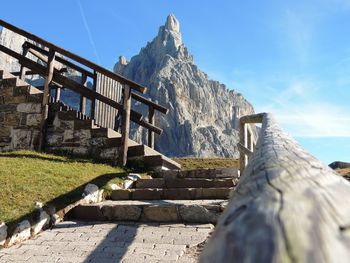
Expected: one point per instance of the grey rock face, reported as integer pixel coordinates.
(203, 114)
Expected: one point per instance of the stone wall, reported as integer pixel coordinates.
(20, 115)
(69, 134)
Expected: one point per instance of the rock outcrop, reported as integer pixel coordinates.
(203, 114)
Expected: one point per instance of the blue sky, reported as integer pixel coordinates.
(291, 58)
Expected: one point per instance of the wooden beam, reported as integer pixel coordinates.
(28, 72)
(75, 57)
(244, 150)
(60, 59)
(149, 103)
(45, 106)
(82, 107)
(58, 94)
(125, 125)
(22, 71)
(287, 207)
(242, 159)
(150, 133)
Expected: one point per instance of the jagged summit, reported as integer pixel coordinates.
(172, 23)
(203, 116)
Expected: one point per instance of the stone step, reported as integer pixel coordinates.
(160, 162)
(182, 211)
(183, 183)
(200, 173)
(141, 150)
(171, 194)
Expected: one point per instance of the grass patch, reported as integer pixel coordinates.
(27, 177)
(195, 163)
(344, 172)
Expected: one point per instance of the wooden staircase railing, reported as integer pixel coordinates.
(110, 94)
(287, 206)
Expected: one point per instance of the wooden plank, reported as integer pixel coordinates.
(46, 93)
(287, 207)
(58, 94)
(151, 120)
(48, 79)
(59, 59)
(244, 150)
(125, 125)
(242, 159)
(150, 103)
(82, 105)
(148, 126)
(93, 101)
(22, 71)
(75, 57)
(18, 73)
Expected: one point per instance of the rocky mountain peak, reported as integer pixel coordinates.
(172, 23)
(203, 114)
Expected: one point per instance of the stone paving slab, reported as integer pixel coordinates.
(81, 242)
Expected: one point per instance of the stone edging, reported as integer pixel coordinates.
(46, 218)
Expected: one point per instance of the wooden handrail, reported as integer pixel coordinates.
(65, 62)
(90, 94)
(149, 103)
(58, 59)
(75, 57)
(51, 73)
(287, 207)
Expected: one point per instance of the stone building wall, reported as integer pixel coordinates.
(20, 114)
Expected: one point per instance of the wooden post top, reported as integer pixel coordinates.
(287, 207)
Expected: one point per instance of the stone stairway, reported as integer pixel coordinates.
(197, 196)
(68, 130)
(71, 131)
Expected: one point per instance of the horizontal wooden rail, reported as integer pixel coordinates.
(287, 207)
(90, 94)
(149, 103)
(63, 61)
(75, 57)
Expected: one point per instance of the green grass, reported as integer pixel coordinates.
(195, 163)
(27, 177)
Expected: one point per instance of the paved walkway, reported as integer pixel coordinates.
(111, 242)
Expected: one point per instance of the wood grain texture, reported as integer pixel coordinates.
(287, 207)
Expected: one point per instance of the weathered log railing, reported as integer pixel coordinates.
(247, 140)
(287, 207)
(107, 90)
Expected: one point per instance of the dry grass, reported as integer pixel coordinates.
(27, 177)
(195, 163)
(344, 172)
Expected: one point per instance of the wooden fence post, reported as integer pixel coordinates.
(125, 124)
(151, 120)
(242, 155)
(45, 106)
(22, 71)
(82, 98)
(93, 102)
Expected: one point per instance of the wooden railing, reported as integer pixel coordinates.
(287, 207)
(247, 140)
(110, 94)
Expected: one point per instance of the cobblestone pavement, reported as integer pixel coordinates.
(110, 242)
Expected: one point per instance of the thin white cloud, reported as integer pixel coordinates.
(86, 25)
(302, 114)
